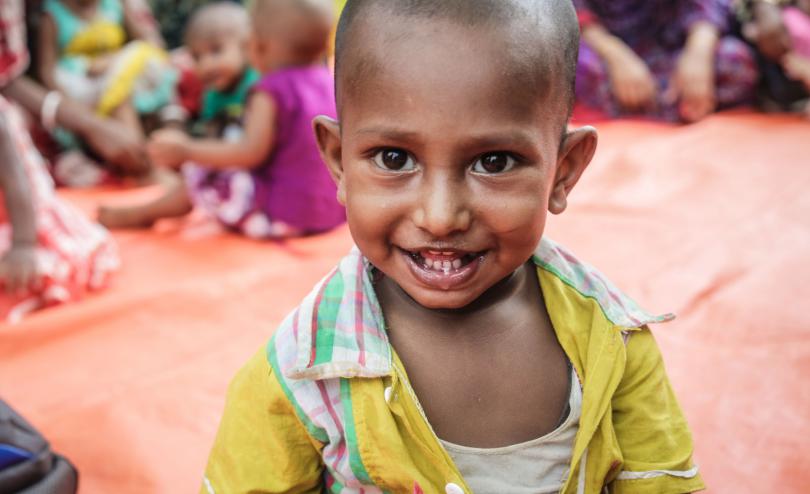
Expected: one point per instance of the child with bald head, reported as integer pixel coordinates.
(456, 349)
(253, 163)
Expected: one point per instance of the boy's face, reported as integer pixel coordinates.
(219, 59)
(446, 163)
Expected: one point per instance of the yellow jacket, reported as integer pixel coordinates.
(327, 406)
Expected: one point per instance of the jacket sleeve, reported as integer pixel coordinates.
(652, 432)
(261, 446)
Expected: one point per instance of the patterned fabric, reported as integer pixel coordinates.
(74, 254)
(138, 72)
(656, 31)
(328, 402)
(13, 52)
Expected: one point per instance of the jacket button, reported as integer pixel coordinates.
(388, 392)
(452, 488)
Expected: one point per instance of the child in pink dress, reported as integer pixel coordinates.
(260, 174)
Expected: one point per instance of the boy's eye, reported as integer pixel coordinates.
(394, 160)
(491, 163)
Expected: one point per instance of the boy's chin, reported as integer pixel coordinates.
(434, 299)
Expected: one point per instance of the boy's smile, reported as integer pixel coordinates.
(447, 159)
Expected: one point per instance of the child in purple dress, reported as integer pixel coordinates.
(663, 59)
(262, 175)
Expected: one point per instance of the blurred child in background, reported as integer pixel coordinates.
(780, 32)
(97, 53)
(661, 59)
(49, 252)
(258, 173)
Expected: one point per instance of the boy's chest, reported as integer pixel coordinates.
(508, 388)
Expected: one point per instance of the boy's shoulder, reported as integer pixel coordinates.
(339, 330)
(587, 282)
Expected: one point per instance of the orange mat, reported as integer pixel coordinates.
(709, 221)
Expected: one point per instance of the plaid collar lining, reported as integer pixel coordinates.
(340, 331)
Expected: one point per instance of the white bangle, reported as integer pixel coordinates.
(50, 105)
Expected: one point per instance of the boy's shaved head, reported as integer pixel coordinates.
(542, 36)
(219, 18)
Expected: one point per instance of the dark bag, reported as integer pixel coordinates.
(27, 464)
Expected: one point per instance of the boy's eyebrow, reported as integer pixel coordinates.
(491, 139)
(388, 132)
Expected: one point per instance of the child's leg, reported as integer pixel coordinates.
(736, 73)
(175, 202)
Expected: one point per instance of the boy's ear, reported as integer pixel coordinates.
(576, 152)
(327, 132)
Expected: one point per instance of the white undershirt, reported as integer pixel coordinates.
(538, 466)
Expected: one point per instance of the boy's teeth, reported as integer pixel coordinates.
(428, 260)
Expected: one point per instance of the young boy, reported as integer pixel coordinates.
(456, 350)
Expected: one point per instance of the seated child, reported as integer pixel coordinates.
(49, 252)
(258, 173)
(95, 52)
(661, 59)
(780, 32)
(456, 349)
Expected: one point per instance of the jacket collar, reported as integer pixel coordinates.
(339, 328)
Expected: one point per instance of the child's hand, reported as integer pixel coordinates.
(633, 84)
(797, 68)
(19, 270)
(692, 85)
(168, 148)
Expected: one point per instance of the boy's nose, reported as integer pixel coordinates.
(443, 209)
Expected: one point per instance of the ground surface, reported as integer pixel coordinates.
(710, 221)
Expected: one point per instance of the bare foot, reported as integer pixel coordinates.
(173, 203)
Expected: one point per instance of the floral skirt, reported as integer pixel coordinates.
(74, 254)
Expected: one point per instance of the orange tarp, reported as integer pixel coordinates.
(711, 221)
